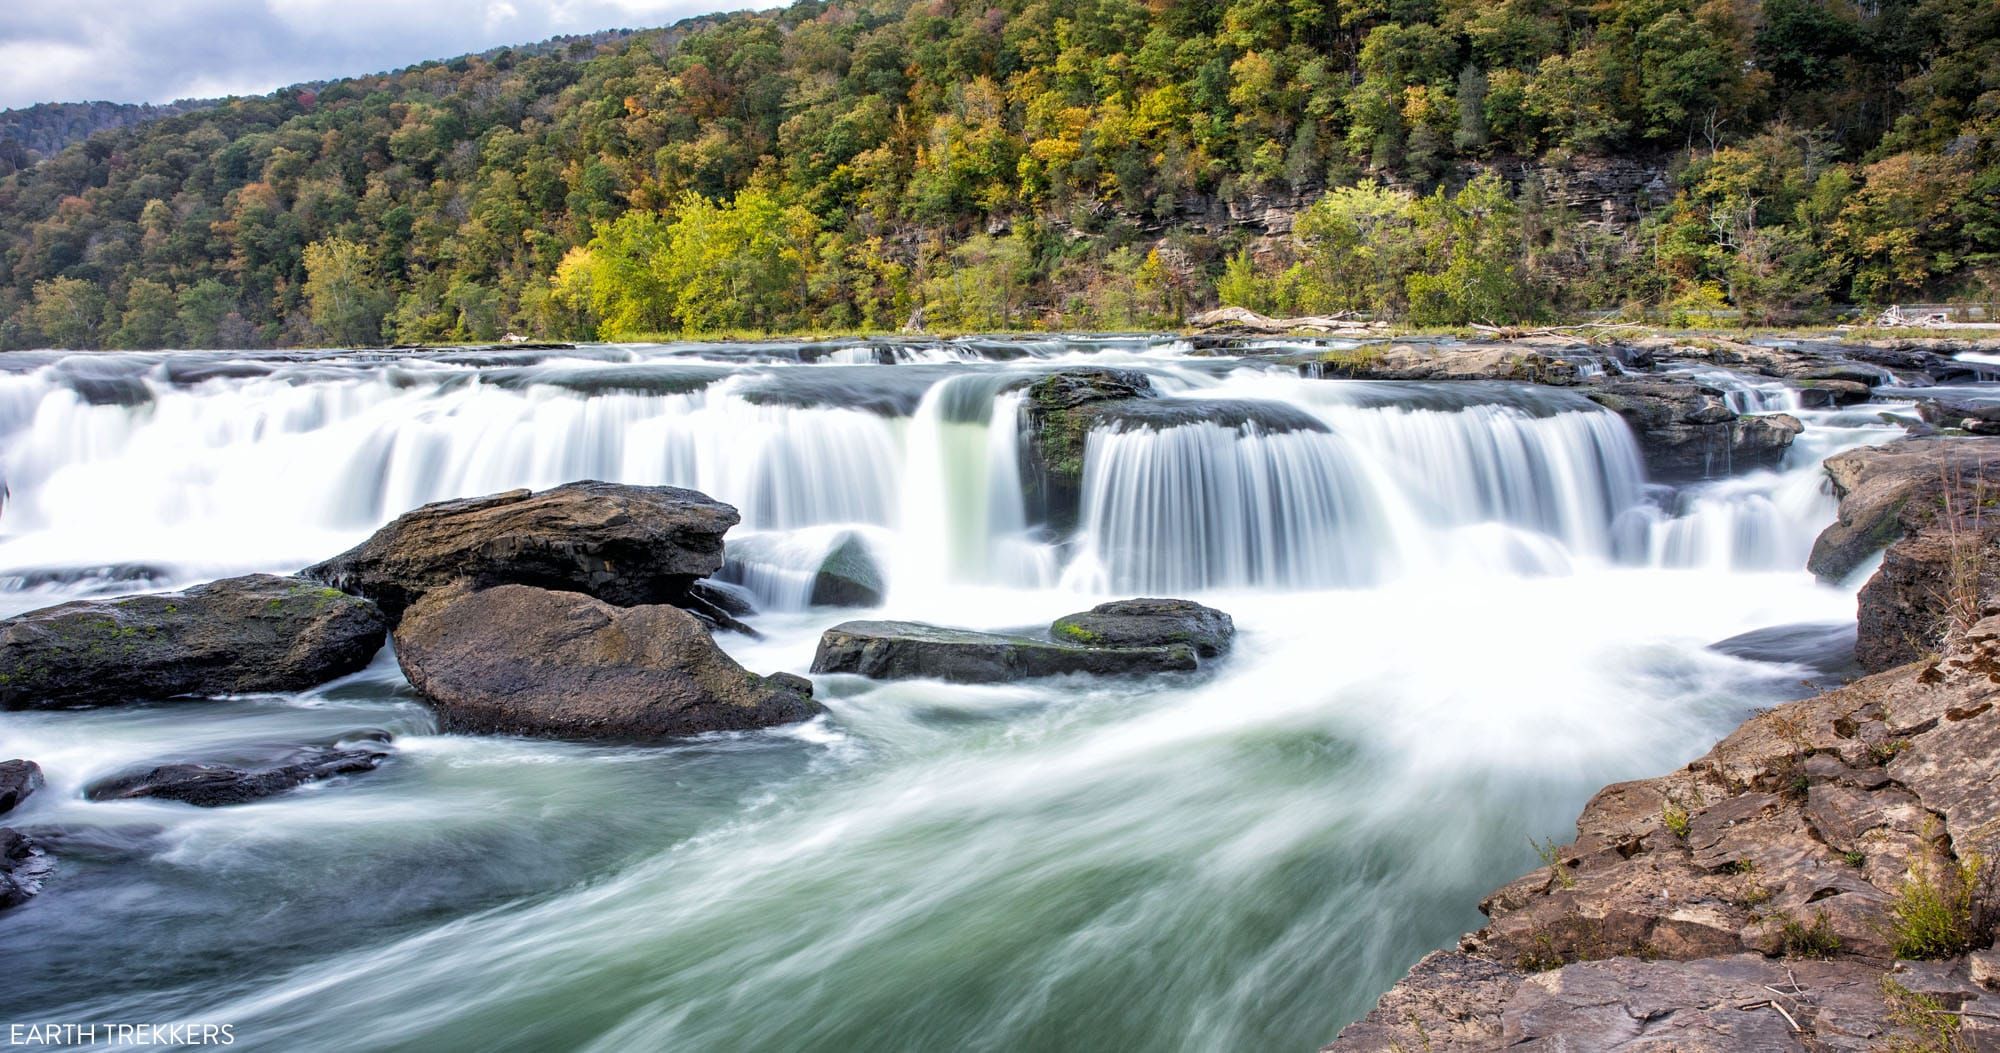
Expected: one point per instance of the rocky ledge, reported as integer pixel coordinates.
(212, 784)
(234, 636)
(1684, 425)
(1823, 879)
(1121, 638)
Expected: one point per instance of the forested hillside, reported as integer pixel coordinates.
(31, 133)
(1083, 163)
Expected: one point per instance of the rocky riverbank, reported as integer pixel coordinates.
(1823, 878)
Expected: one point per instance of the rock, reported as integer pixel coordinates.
(1149, 623)
(211, 785)
(238, 635)
(894, 650)
(1791, 840)
(526, 661)
(1687, 431)
(1886, 491)
(1823, 393)
(848, 577)
(18, 779)
(625, 545)
(1402, 361)
(1980, 416)
(1118, 638)
(1059, 416)
(1455, 1002)
(1928, 582)
(23, 866)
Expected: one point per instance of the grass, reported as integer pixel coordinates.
(1945, 906)
(1816, 940)
(1932, 1028)
(1675, 815)
(1551, 854)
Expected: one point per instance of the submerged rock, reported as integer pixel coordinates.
(848, 577)
(23, 866)
(625, 545)
(237, 635)
(1149, 623)
(886, 650)
(18, 779)
(211, 785)
(1121, 638)
(526, 661)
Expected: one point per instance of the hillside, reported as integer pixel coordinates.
(32, 133)
(1075, 163)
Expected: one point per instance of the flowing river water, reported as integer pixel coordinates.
(1462, 608)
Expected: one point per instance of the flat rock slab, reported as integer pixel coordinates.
(238, 635)
(626, 545)
(886, 650)
(517, 660)
(209, 785)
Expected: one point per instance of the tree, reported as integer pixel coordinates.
(149, 318)
(346, 302)
(200, 310)
(67, 311)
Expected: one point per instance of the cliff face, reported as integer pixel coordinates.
(1822, 879)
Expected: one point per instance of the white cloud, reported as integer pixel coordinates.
(160, 50)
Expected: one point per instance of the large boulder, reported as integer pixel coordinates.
(1149, 623)
(213, 785)
(1890, 490)
(625, 545)
(18, 779)
(518, 660)
(1938, 578)
(1979, 415)
(237, 635)
(1687, 431)
(1121, 638)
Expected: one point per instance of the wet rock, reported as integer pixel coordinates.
(1060, 412)
(18, 779)
(1686, 430)
(1817, 394)
(1886, 491)
(887, 650)
(213, 785)
(1119, 638)
(1149, 623)
(24, 864)
(1980, 416)
(625, 545)
(238, 635)
(1824, 647)
(526, 661)
(848, 577)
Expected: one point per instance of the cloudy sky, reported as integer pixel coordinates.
(160, 50)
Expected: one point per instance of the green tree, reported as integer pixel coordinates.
(346, 302)
(67, 311)
(149, 319)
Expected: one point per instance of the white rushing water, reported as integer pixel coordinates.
(1461, 609)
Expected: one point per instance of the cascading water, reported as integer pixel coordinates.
(1461, 609)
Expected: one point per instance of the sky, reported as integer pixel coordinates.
(161, 50)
